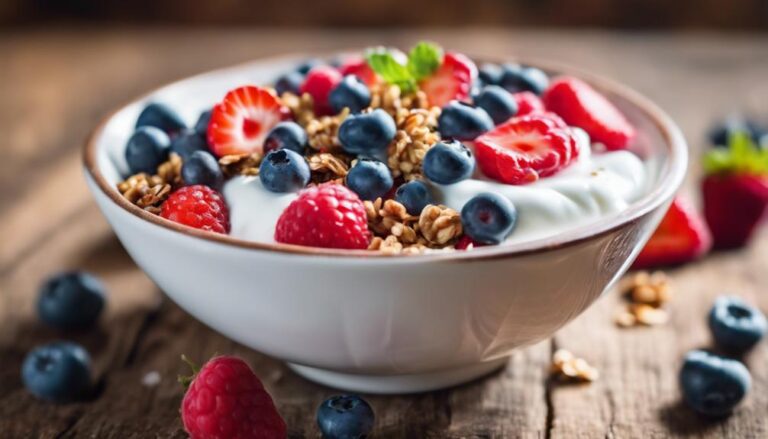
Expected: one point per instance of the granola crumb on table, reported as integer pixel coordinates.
(569, 368)
(646, 295)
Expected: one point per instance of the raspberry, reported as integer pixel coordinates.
(527, 103)
(227, 400)
(197, 206)
(319, 83)
(329, 216)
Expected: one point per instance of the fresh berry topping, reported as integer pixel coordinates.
(242, 120)
(284, 171)
(488, 218)
(227, 400)
(720, 134)
(360, 68)
(736, 326)
(286, 135)
(187, 143)
(345, 417)
(308, 64)
(350, 93)
(448, 162)
(528, 103)
(490, 74)
(197, 206)
(526, 148)
(71, 300)
(319, 83)
(369, 179)
(415, 196)
(146, 149)
(497, 102)
(713, 385)
(368, 133)
(452, 80)
(581, 105)
(681, 237)
(59, 372)
(203, 169)
(460, 120)
(329, 216)
(161, 116)
(289, 83)
(201, 126)
(467, 243)
(516, 78)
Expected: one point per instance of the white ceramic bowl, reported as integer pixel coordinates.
(381, 324)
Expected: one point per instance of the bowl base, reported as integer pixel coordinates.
(398, 384)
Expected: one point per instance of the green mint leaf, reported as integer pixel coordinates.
(424, 59)
(385, 64)
(741, 156)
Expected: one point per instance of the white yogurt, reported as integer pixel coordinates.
(594, 186)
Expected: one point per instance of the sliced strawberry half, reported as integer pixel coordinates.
(527, 103)
(452, 80)
(581, 105)
(681, 237)
(240, 123)
(526, 148)
(359, 67)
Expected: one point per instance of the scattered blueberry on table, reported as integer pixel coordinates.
(721, 132)
(286, 135)
(284, 171)
(415, 196)
(462, 121)
(72, 300)
(202, 168)
(146, 149)
(448, 162)
(59, 372)
(713, 385)
(489, 218)
(345, 417)
(736, 326)
(161, 116)
(369, 179)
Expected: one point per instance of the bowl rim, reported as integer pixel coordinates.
(669, 180)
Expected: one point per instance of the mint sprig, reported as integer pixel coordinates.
(742, 156)
(422, 61)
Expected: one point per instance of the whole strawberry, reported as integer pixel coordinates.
(226, 400)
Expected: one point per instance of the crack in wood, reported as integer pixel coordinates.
(549, 389)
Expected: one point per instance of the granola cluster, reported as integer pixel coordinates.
(646, 296)
(149, 191)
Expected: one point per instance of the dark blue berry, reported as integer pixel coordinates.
(351, 93)
(415, 196)
(289, 83)
(187, 143)
(71, 300)
(497, 102)
(736, 326)
(463, 121)
(488, 218)
(308, 64)
(286, 135)
(713, 385)
(59, 372)
(161, 116)
(201, 126)
(345, 417)
(202, 168)
(284, 171)
(720, 133)
(490, 74)
(448, 162)
(368, 133)
(517, 78)
(147, 148)
(369, 179)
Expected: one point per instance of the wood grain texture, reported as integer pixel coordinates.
(55, 85)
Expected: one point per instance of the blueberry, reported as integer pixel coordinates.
(720, 133)
(351, 93)
(202, 168)
(462, 121)
(161, 116)
(284, 171)
(369, 178)
(286, 135)
(448, 162)
(187, 143)
(289, 82)
(497, 102)
(308, 64)
(71, 300)
(368, 133)
(147, 148)
(415, 196)
(488, 218)
(736, 326)
(345, 417)
(517, 78)
(201, 126)
(713, 385)
(490, 74)
(59, 372)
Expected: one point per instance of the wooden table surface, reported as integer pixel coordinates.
(55, 84)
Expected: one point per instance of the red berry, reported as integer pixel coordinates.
(227, 400)
(467, 243)
(360, 68)
(526, 148)
(527, 103)
(240, 123)
(581, 105)
(197, 206)
(329, 215)
(452, 80)
(734, 205)
(681, 237)
(319, 83)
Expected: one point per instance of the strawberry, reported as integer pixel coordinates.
(319, 83)
(452, 80)
(526, 148)
(359, 67)
(681, 237)
(527, 103)
(240, 123)
(581, 105)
